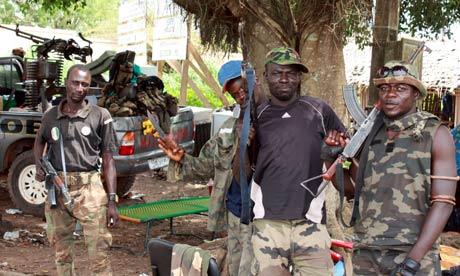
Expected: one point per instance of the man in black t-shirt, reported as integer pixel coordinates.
(289, 222)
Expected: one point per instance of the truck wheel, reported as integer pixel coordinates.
(124, 184)
(26, 193)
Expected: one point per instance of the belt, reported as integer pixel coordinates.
(79, 178)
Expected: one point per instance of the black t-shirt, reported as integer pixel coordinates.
(290, 144)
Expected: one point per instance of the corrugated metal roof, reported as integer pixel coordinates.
(441, 67)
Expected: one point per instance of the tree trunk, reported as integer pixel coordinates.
(321, 52)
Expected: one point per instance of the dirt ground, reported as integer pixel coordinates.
(32, 254)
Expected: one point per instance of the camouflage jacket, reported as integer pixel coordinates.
(395, 196)
(189, 260)
(214, 161)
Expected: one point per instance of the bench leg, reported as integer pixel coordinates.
(148, 235)
(171, 226)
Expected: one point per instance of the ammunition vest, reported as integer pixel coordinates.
(395, 196)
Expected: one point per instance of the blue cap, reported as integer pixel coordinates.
(228, 71)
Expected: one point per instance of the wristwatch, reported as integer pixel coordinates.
(113, 197)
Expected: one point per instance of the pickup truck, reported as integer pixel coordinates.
(137, 152)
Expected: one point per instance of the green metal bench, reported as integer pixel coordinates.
(150, 212)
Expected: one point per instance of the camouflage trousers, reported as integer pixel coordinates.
(290, 247)
(90, 208)
(370, 261)
(240, 254)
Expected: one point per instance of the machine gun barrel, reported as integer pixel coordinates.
(29, 36)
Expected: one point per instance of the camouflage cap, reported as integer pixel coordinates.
(412, 78)
(285, 56)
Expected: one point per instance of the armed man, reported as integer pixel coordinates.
(289, 222)
(219, 159)
(405, 184)
(76, 135)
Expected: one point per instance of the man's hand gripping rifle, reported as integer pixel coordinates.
(351, 149)
(53, 181)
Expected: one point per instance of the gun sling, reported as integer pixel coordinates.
(245, 187)
(360, 177)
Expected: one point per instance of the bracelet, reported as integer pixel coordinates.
(442, 177)
(449, 197)
(443, 200)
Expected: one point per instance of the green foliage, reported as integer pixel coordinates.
(429, 18)
(92, 18)
(172, 81)
(357, 24)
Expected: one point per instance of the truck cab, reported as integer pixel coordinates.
(11, 74)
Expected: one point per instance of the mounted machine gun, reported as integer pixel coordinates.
(42, 75)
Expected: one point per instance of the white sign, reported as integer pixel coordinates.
(132, 33)
(131, 9)
(169, 32)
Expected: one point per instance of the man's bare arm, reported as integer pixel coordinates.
(39, 148)
(110, 177)
(442, 164)
(109, 171)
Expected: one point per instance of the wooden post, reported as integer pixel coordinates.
(160, 65)
(184, 70)
(385, 30)
(183, 83)
(176, 66)
(205, 74)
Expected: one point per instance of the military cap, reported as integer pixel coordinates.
(406, 73)
(285, 56)
(229, 71)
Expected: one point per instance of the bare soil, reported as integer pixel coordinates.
(31, 253)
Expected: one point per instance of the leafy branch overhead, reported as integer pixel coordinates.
(293, 20)
(93, 18)
(289, 20)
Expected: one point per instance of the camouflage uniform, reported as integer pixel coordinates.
(90, 208)
(188, 260)
(215, 161)
(395, 196)
(240, 254)
(84, 138)
(290, 235)
(280, 243)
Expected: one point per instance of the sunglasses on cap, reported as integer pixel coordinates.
(396, 71)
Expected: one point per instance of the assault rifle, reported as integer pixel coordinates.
(351, 149)
(53, 181)
(68, 48)
(417, 51)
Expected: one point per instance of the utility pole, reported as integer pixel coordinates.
(385, 31)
